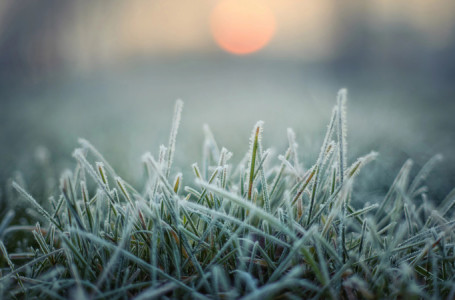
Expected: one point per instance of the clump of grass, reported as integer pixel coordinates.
(265, 228)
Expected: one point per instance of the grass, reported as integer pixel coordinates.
(263, 229)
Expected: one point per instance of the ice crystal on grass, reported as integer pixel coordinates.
(269, 227)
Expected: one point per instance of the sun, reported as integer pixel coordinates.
(242, 26)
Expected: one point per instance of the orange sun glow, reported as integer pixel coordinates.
(242, 26)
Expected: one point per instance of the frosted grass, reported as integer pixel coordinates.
(271, 226)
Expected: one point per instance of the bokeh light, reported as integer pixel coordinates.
(242, 26)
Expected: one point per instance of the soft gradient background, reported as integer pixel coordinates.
(110, 71)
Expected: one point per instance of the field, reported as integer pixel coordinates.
(262, 225)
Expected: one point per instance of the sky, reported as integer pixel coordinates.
(87, 35)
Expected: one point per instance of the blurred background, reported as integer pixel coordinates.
(110, 71)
